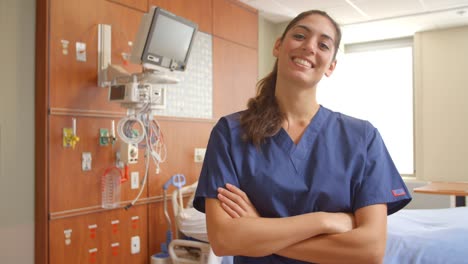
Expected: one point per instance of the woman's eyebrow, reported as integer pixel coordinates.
(306, 28)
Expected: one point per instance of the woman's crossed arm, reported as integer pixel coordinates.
(235, 228)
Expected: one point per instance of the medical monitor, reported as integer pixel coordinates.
(164, 41)
(117, 92)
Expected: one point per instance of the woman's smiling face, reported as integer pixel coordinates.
(307, 51)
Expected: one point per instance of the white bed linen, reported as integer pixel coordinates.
(428, 236)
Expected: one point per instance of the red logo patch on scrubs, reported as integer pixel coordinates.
(398, 192)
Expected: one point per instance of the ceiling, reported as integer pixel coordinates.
(366, 20)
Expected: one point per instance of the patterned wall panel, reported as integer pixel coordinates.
(193, 96)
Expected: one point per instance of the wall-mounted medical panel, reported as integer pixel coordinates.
(73, 72)
(234, 21)
(231, 92)
(199, 11)
(100, 238)
(72, 196)
(71, 187)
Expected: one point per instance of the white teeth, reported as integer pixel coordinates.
(302, 62)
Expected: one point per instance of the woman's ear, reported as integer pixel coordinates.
(276, 47)
(331, 68)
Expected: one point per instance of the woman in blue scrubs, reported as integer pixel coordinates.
(290, 181)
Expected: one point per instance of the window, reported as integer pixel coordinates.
(374, 81)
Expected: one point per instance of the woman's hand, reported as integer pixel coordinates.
(339, 222)
(235, 202)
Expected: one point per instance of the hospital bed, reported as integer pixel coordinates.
(414, 236)
(428, 236)
(191, 245)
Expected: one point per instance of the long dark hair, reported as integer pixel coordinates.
(263, 117)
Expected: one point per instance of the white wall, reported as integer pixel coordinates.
(266, 39)
(425, 201)
(441, 96)
(268, 32)
(17, 25)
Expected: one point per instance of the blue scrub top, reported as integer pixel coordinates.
(340, 165)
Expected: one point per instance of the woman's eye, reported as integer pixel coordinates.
(298, 36)
(324, 46)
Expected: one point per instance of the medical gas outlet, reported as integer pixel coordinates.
(69, 136)
(106, 136)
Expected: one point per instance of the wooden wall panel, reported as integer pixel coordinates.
(131, 223)
(73, 84)
(80, 240)
(41, 197)
(235, 22)
(199, 11)
(141, 5)
(72, 188)
(157, 226)
(234, 76)
(181, 137)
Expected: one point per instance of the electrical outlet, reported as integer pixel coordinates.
(135, 180)
(158, 97)
(86, 160)
(81, 51)
(199, 155)
(67, 233)
(129, 153)
(135, 245)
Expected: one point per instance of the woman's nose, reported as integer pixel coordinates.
(309, 46)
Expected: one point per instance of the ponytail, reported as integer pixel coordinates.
(263, 117)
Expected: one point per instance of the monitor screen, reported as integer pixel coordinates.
(116, 92)
(169, 41)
